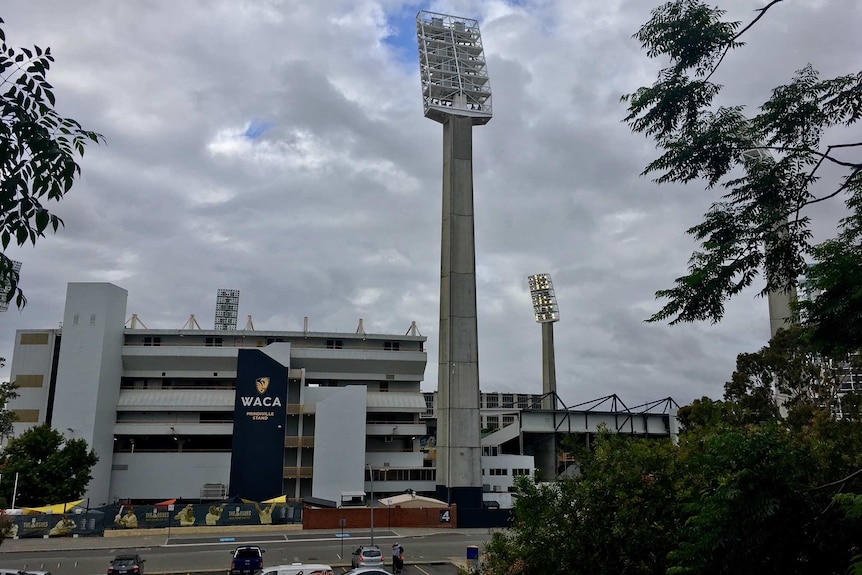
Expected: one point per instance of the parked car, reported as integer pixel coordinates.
(298, 569)
(5, 571)
(368, 571)
(368, 556)
(247, 560)
(127, 564)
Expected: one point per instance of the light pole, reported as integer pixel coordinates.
(547, 313)
(371, 501)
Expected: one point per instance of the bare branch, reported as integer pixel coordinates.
(740, 33)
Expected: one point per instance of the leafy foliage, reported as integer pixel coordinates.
(745, 490)
(51, 468)
(769, 166)
(37, 153)
(7, 393)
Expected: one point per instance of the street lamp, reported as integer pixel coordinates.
(371, 502)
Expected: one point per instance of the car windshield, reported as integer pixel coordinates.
(371, 552)
(124, 562)
(247, 553)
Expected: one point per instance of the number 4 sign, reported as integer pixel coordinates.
(445, 516)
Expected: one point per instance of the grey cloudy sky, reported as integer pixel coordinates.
(279, 148)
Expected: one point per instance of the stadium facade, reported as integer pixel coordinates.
(202, 414)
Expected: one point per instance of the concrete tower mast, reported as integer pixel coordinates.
(547, 313)
(456, 93)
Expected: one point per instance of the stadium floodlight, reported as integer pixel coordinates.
(227, 305)
(544, 298)
(452, 65)
(456, 93)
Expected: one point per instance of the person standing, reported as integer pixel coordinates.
(397, 557)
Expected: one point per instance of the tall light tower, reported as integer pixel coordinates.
(456, 93)
(546, 313)
(780, 301)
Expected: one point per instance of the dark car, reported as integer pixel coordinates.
(368, 556)
(127, 564)
(247, 560)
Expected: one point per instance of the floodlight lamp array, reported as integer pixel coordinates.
(227, 306)
(452, 66)
(544, 299)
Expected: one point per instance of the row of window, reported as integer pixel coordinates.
(499, 472)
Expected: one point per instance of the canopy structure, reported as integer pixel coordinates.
(279, 499)
(58, 508)
(165, 503)
(412, 500)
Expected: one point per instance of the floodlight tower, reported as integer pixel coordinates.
(779, 300)
(546, 313)
(227, 305)
(456, 93)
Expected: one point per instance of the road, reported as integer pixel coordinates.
(426, 554)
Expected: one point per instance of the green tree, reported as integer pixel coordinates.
(51, 468)
(38, 148)
(7, 393)
(770, 165)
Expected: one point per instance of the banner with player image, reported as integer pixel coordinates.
(90, 524)
(203, 514)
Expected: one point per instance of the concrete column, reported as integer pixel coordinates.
(780, 314)
(549, 370)
(459, 453)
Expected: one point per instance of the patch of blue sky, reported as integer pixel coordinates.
(256, 129)
(402, 32)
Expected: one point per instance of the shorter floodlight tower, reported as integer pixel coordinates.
(547, 313)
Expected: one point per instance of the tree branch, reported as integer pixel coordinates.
(740, 33)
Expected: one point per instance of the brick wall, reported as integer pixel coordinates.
(384, 517)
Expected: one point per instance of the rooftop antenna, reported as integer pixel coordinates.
(133, 322)
(413, 329)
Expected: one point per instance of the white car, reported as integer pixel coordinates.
(298, 569)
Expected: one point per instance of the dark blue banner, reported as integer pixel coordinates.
(52, 525)
(203, 514)
(260, 412)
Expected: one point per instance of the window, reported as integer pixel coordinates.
(520, 472)
(384, 386)
(508, 400)
(29, 380)
(523, 402)
(392, 345)
(492, 400)
(214, 341)
(92, 319)
(493, 422)
(498, 472)
(508, 419)
(334, 344)
(34, 339)
(152, 341)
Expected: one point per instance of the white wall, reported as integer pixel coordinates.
(339, 439)
(166, 475)
(89, 372)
